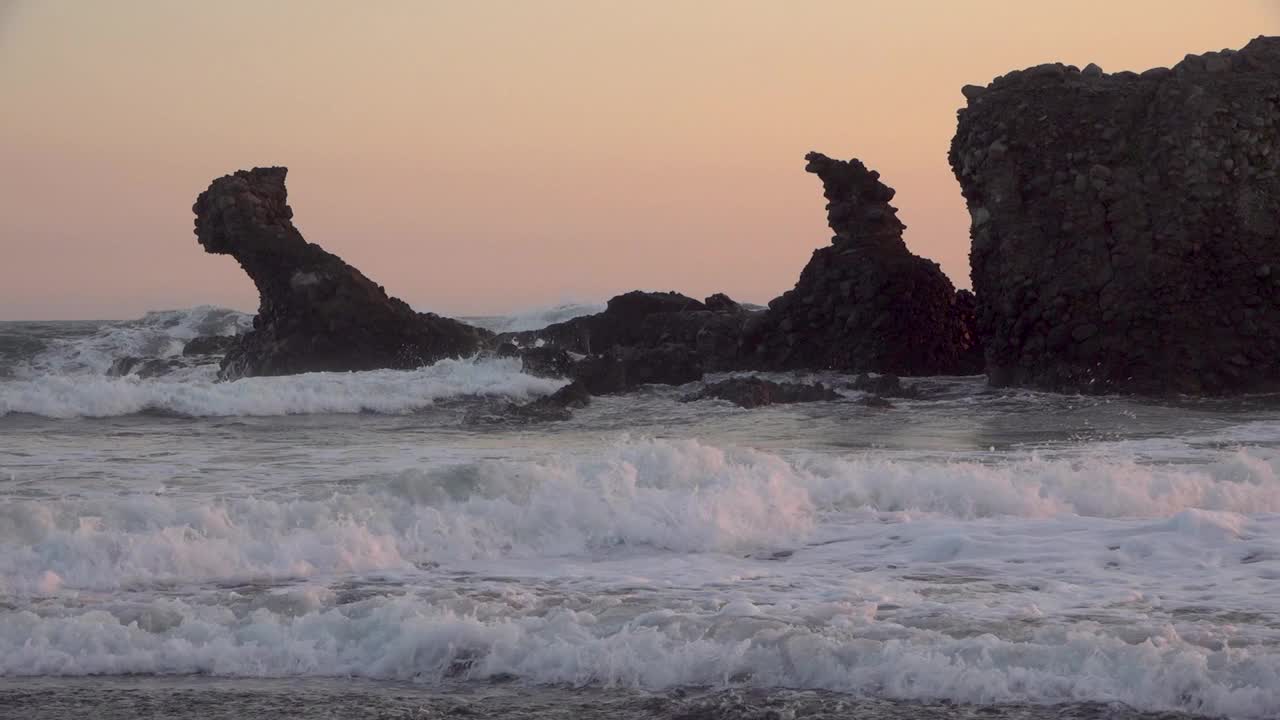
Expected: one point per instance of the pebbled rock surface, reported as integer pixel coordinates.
(752, 392)
(1126, 227)
(315, 311)
(865, 303)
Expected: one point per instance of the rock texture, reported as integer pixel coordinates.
(626, 368)
(316, 312)
(752, 392)
(865, 303)
(638, 319)
(1125, 227)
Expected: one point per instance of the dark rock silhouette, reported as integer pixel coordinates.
(653, 320)
(719, 302)
(546, 361)
(316, 312)
(210, 345)
(865, 303)
(626, 368)
(884, 386)
(1125, 227)
(752, 392)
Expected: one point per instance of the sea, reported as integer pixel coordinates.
(392, 544)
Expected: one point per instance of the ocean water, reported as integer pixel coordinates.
(388, 545)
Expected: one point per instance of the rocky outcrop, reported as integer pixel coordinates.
(865, 303)
(711, 330)
(753, 392)
(625, 368)
(315, 311)
(1126, 227)
(209, 345)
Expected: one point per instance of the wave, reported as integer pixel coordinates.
(668, 496)
(838, 645)
(537, 318)
(661, 563)
(380, 391)
(161, 334)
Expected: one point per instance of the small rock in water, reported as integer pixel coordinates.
(751, 392)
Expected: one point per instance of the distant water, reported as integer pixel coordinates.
(382, 544)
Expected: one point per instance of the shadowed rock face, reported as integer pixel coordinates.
(1126, 228)
(865, 303)
(316, 312)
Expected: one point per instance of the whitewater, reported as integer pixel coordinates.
(387, 544)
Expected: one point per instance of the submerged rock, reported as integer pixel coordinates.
(143, 367)
(210, 345)
(315, 311)
(546, 361)
(883, 386)
(556, 407)
(1125, 227)
(751, 392)
(866, 303)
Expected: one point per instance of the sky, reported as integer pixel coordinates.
(479, 157)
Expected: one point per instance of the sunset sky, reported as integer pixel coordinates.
(478, 157)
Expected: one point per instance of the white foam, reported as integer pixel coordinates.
(832, 646)
(655, 563)
(537, 318)
(161, 333)
(383, 391)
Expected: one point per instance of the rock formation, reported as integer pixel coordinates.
(316, 312)
(753, 392)
(712, 330)
(1125, 227)
(865, 303)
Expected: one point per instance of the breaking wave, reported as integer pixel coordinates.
(380, 391)
(709, 566)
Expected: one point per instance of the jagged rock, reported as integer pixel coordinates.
(626, 368)
(546, 361)
(875, 401)
(1124, 226)
(865, 303)
(883, 386)
(209, 345)
(719, 302)
(652, 320)
(554, 407)
(619, 324)
(143, 367)
(751, 392)
(316, 312)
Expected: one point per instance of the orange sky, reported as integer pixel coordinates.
(483, 156)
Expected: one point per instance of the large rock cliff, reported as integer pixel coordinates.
(1125, 227)
(865, 303)
(316, 312)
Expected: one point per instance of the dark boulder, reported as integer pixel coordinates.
(883, 386)
(751, 392)
(865, 303)
(626, 368)
(1126, 228)
(720, 302)
(315, 311)
(143, 367)
(547, 361)
(210, 345)
(558, 406)
(653, 320)
(619, 323)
